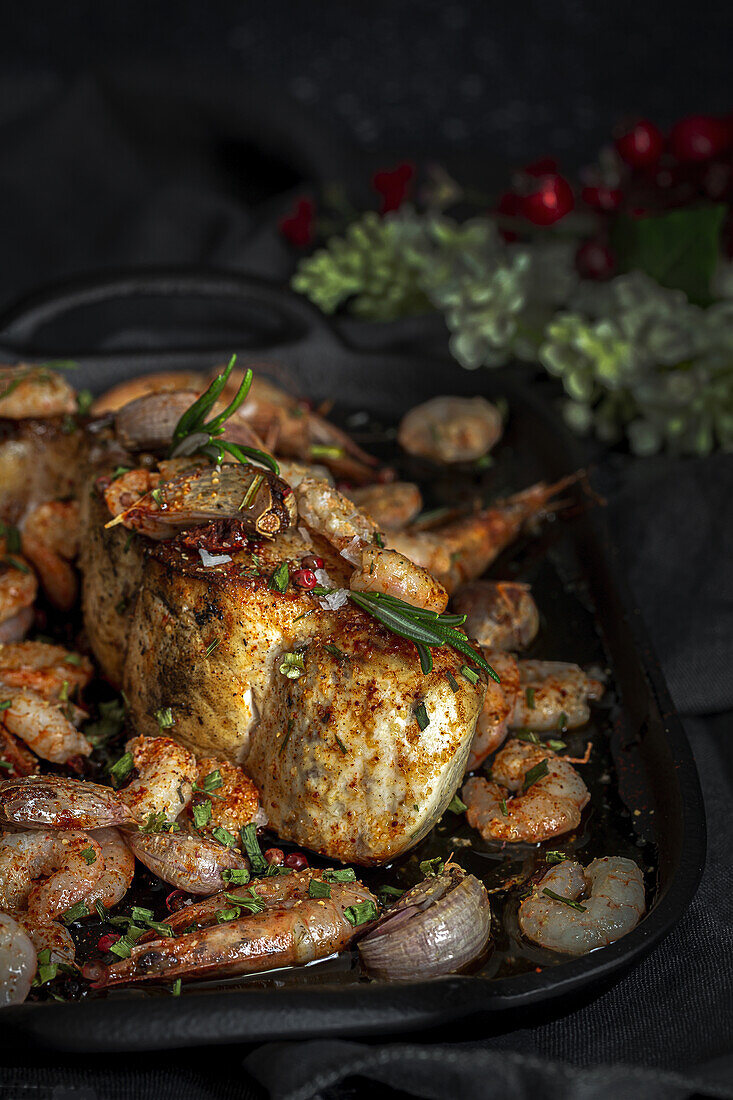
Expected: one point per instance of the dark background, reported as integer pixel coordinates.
(135, 133)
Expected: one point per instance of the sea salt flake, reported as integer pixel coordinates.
(208, 559)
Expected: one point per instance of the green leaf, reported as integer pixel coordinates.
(679, 249)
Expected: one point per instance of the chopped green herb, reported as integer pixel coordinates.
(251, 901)
(128, 541)
(16, 563)
(339, 874)
(286, 738)
(361, 913)
(224, 836)
(421, 716)
(236, 876)
(556, 857)
(121, 768)
(212, 781)
(379, 540)
(76, 912)
(504, 809)
(556, 745)
(6, 766)
(527, 735)
(140, 913)
(119, 471)
(64, 693)
(484, 462)
(432, 867)
(529, 698)
(164, 718)
(251, 491)
(566, 901)
(323, 450)
(202, 814)
(176, 988)
(335, 651)
(469, 674)
(452, 681)
(292, 665)
(562, 721)
(281, 576)
(320, 590)
(455, 805)
(224, 915)
(12, 538)
(89, 855)
(251, 846)
(212, 646)
(46, 970)
(72, 659)
(539, 771)
(318, 889)
(111, 721)
(390, 891)
(6, 704)
(157, 495)
(84, 401)
(101, 911)
(341, 745)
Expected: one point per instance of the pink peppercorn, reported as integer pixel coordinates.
(275, 855)
(311, 562)
(105, 942)
(305, 578)
(296, 861)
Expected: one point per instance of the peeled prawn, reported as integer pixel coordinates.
(50, 541)
(164, 783)
(50, 670)
(329, 513)
(504, 809)
(451, 429)
(18, 591)
(299, 930)
(28, 393)
(394, 574)
(499, 614)
(48, 936)
(610, 891)
(17, 961)
(554, 694)
(15, 758)
(190, 863)
(119, 868)
(392, 506)
(46, 872)
(49, 729)
(55, 802)
(463, 549)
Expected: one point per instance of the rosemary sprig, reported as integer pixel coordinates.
(193, 434)
(427, 629)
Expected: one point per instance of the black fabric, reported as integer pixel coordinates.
(100, 173)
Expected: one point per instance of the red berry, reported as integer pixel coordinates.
(549, 201)
(595, 260)
(311, 562)
(275, 855)
(641, 144)
(602, 198)
(393, 186)
(105, 942)
(699, 137)
(296, 861)
(304, 578)
(508, 205)
(298, 226)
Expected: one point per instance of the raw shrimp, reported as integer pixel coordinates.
(234, 802)
(391, 506)
(50, 541)
(550, 806)
(28, 393)
(554, 695)
(300, 930)
(17, 962)
(499, 614)
(48, 936)
(261, 502)
(451, 429)
(50, 670)
(167, 381)
(46, 872)
(188, 862)
(539, 695)
(49, 729)
(610, 891)
(496, 714)
(394, 574)
(329, 513)
(164, 784)
(463, 549)
(15, 759)
(119, 868)
(18, 591)
(290, 428)
(55, 802)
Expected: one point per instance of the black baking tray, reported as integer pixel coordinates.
(142, 321)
